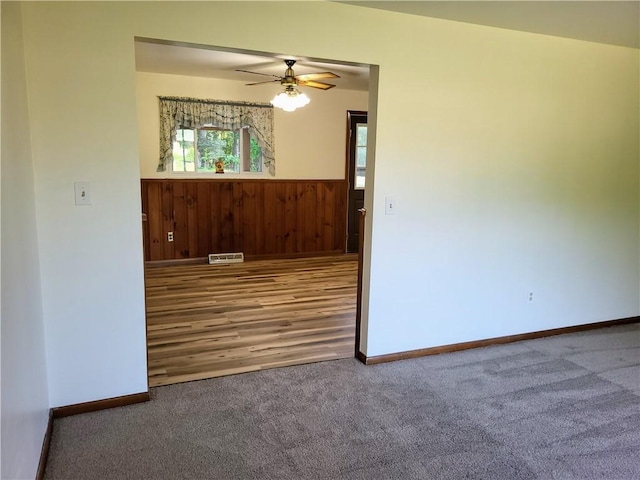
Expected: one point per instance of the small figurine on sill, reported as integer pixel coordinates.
(219, 166)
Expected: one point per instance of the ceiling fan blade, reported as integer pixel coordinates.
(311, 83)
(258, 73)
(317, 76)
(261, 83)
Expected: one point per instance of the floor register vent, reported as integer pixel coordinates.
(218, 258)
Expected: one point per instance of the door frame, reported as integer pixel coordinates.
(347, 175)
(360, 215)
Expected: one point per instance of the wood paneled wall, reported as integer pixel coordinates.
(257, 217)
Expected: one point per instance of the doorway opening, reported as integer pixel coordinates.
(211, 320)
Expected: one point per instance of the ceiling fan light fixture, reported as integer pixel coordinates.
(290, 100)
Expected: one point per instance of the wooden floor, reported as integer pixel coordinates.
(206, 321)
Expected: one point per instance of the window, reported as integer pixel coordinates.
(361, 154)
(198, 150)
(242, 120)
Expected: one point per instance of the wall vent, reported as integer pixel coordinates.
(217, 258)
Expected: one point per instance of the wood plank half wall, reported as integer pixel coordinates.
(262, 218)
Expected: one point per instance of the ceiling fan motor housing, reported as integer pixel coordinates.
(289, 77)
(288, 80)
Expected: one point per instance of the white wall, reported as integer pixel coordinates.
(513, 158)
(83, 126)
(309, 143)
(524, 179)
(25, 403)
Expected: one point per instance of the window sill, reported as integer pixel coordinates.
(221, 176)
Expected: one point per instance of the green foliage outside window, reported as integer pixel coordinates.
(218, 144)
(255, 156)
(211, 145)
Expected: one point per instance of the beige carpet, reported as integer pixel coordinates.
(565, 407)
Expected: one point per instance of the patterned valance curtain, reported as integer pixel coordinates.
(176, 112)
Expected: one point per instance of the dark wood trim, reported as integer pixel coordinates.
(175, 261)
(96, 405)
(363, 214)
(362, 357)
(346, 152)
(223, 179)
(46, 443)
(274, 256)
(456, 347)
(288, 256)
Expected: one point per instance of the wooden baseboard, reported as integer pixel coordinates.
(456, 347)
(177, 261)
(86, 407)
(46, 443)
(289, 256)
(249, 258)
(362, 357)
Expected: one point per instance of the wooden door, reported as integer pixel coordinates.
(357, 164)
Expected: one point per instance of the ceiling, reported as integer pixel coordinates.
(190, 60)
(610, 22)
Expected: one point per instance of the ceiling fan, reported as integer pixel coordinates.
(290, 79)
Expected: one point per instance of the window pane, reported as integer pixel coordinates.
(207, 150)
(183, 151)
(198, 150)
(361, 166)
(361, 156)
(361, 134)
(230, 151)
(255, 156)
(214, 145)
(360, 178)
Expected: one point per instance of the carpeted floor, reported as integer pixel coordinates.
(564, 407)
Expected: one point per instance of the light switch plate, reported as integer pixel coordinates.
(83, 193)
(390, 206)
